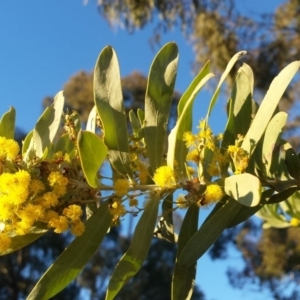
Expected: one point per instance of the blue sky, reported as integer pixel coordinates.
(43, 43)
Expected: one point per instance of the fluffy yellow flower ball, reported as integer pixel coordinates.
(213, 193)
(164, 176)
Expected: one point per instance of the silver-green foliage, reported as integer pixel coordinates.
(272, 175)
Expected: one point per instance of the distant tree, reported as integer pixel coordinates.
(20, 270)
(272, 258)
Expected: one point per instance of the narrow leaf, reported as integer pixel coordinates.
(165, 227)
(268, 106)
(66, 145)
(292, 161)
(141, 116)
(91, 122)
(208, 233)
(246, 212)
(110, 106)
(283, 195)
(271, 140)
(20, 241)
(135, 123)
(92, 152)
(269, 213)
(159, 94)
(177, 149)
(184, 277)
(47, 125)
(193, 88)
(294, 199)
(229, 66)
(26, 143)
(132, 260)
(243, 105)
(69, 264)
(7, 124)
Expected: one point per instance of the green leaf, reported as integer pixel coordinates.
(243, 105)
(193, 89)
(7, 124)
(268, 106)
(177, 149)
(76, 119)
(292, 161)
(141, 116)
(165, 227)
(47, 125)
(110, 106)
(69, 264)
(244, 188)
(92, 152)
(135, 123)
(281, 172)
(283, 195)
(270, 214)
(228, 137)
(184, 277)
(246, 69)
(271, 141)
(204, 163)
(133, 259)
(287, 207)
(246, 212)
(20, 241)
(26, 143)
(276, 224)
(91, 122)
(294, 199)
(229, 66)
(159, 94)
(65, 145)
(208, 233)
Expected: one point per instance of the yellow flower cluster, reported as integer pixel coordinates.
(133, 202)
(71, 218)
(213, 193)
(142, 172)
(190, 139)
(205, 139)
(14, 187)
(24, 200)
(182, 202)
(58, 182)
(239, 157)
(121, 187)
(5, 242)
(60, 156)
(165, 177)
(117, 209)
(137, 157)
(295, 222)
(9, 149)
